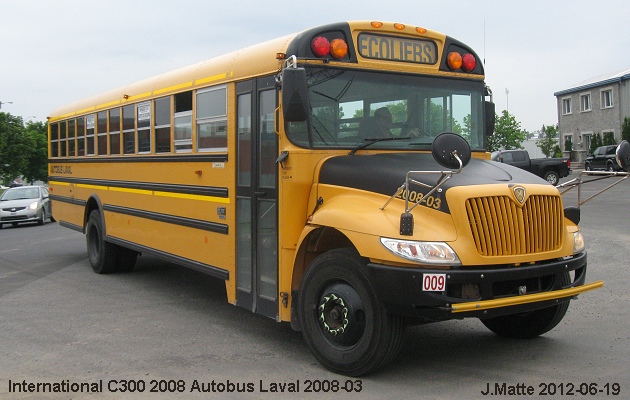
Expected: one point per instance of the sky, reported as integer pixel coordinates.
(57, 52)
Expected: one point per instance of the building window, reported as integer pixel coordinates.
(566, 106)
(607, 99)
(585, 102)
(212, 119)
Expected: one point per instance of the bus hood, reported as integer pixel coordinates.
(385, 173)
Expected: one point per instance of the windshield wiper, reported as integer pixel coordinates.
(372, 141)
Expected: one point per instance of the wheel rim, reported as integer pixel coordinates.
(552, 179)
(341, 314)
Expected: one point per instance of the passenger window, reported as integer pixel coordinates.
(114, 131)
(212, 119)
(163, 125)
(102, 133)
(144, 127)
(89, 134)
(129, 133)
(182, 139)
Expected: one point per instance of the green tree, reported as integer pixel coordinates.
(23, 150)
(609, 139)
(13, 147)
(37, 165)
(625, 129)
(507, 133)
(549, 140)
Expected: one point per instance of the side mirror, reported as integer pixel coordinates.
(489, 110)
(623, 155)
(295, 105)
(446, 145)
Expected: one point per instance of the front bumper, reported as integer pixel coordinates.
(24, 215)
(480, 292)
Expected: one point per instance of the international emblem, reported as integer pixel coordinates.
(519, 193)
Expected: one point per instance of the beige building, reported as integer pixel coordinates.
(597, 105)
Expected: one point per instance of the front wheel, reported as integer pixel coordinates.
(530, 324)
(342, 322)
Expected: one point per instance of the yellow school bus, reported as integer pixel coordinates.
(336, 179)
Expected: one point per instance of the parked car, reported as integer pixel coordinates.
(550, 169)
(603, 158)
(25, 204)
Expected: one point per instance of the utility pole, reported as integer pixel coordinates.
(507, 100)
(5, 102)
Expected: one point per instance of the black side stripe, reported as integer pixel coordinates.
(159, 187)
(170, 219)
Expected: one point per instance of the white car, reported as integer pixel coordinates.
(25, 204)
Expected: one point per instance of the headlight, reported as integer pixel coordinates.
(422, 252)
(33, 206)
(578, 242)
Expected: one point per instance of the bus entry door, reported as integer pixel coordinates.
(257, 198)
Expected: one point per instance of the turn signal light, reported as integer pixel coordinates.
(338, 48)
(454, 60)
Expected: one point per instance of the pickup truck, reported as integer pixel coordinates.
(603, 158)
(550, 169)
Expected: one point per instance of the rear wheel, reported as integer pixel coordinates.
(552, 177)
(102, 254)
(610, 167)
(342, 321)
(530, 324)
(106, 257)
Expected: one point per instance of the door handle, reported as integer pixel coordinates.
(260, 193)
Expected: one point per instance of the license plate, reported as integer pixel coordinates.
(433, 282)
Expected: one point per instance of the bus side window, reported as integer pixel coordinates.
(212, 119)
(182, 140)
(163, 125)
(144, 127)
(129, 132)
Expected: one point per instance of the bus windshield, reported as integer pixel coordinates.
(351, 108)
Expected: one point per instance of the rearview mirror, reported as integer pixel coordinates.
(490, 117)
(446, 145)
(294, 95)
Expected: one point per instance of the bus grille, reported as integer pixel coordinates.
(500, 227)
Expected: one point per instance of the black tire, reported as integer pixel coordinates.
(126, 259)
(42, 219)
(610, 167)
(342, 321)
(528, 325)
(552, 177)
(102, 255)
(587, 168)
